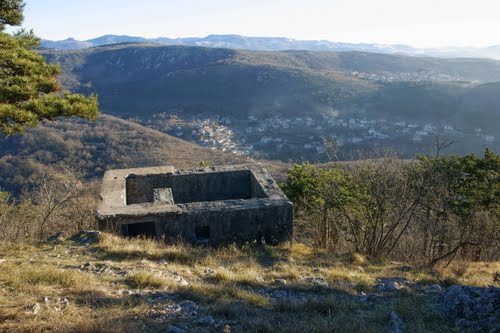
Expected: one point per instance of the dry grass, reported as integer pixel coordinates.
(143, 280)
(351, 276)
(478, 274)
(359, 259)
(229, 283)
(124, 249)
(21, 276)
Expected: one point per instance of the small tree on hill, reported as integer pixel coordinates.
(29, 89)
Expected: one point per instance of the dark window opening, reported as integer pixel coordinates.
(202, 232)
(147, 229)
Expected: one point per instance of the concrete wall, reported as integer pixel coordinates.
(210, 206)
(232, 221)
(195, 187)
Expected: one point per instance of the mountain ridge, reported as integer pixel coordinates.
(280, 44)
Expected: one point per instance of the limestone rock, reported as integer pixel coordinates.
(317, 280)
(395, 323)
(189, 307)
(206, 321)
(32, 308)
(87, 237)
(393, 284)
(474, 309)
(280, 281)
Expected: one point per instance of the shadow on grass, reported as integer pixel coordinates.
(265, 255)
(300, 308)
(268, 256)
(166, 255)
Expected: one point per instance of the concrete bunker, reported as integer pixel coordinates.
(210, 206)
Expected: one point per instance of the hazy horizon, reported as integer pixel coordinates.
(286, 37)
(421, 24)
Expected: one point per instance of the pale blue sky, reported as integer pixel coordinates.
(421, 23)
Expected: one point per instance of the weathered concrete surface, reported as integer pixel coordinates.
(211, 205)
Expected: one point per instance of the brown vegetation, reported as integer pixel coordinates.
(228, 283)
(421, 211)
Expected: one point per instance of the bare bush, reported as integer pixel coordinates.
(55, 201)
(425, 211)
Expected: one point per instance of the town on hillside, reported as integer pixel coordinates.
(278, 137)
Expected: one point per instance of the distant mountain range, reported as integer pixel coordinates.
(280, 44)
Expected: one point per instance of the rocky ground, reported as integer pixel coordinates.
(99, 282)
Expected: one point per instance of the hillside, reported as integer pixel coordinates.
(281, 105)
(141, 79)
(196, 80)
(102, 283)
(240, 83)
(93, 147)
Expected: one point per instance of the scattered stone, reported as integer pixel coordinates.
(395, 323)
(174, 329)
(46, 300)
(317, 280)
(162, 262)
(227, 329)
(496, 277)
(100, 268)
(179, 279)
(474, 309)
(393, 284)
(2, 260)
(206, 321)
(65, 301)
(362, 297)
(433, 289)
(32, 308)
(56, 238)
(97, 268)
(289, 296)
(280, 281)
(189, 307)
(259, 279)
(87, 237)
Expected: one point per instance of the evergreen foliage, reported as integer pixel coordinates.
(29, 89)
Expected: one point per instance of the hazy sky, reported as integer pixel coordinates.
(420, 23)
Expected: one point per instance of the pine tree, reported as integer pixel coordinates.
(29, 89)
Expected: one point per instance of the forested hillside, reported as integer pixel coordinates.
(90, 148)
(142, 79)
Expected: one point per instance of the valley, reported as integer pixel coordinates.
(286, 105)
(249, 184)
(307, 138)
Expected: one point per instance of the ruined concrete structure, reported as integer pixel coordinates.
(209, 206)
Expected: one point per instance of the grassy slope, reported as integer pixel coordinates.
(111, 285)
